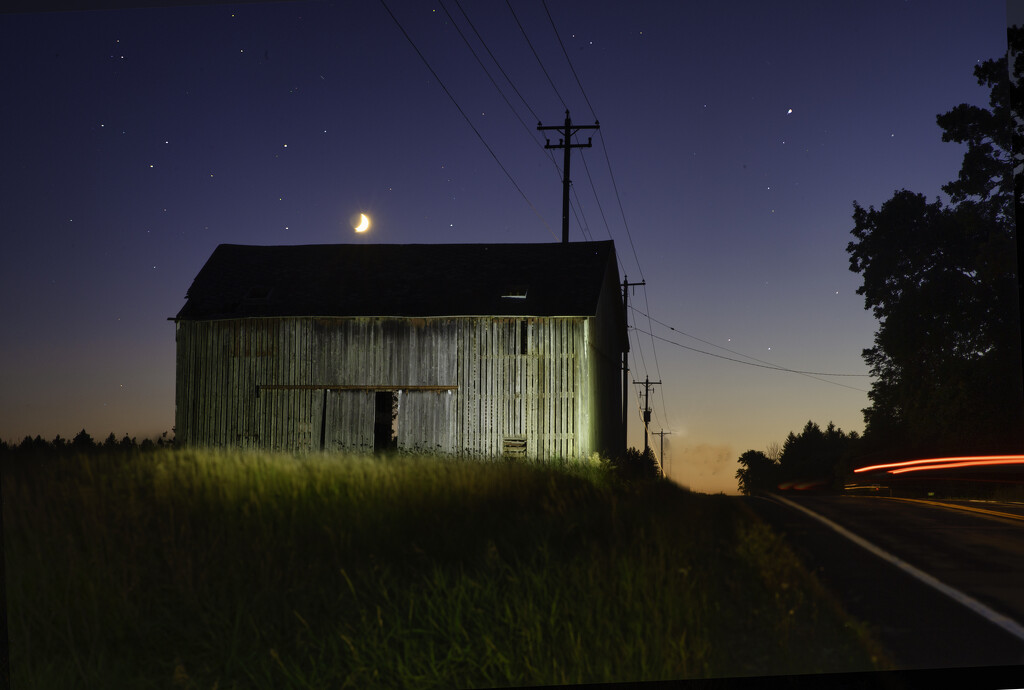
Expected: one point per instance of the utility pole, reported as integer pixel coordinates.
(625, 356)
(661, 456)
(647, 408)
(565, 142)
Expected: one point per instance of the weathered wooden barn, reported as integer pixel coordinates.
(471, 349)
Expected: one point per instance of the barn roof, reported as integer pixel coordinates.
(401, 280)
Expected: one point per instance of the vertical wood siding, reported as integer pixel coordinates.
(544, 395)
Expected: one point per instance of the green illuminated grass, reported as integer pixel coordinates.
(199, 569)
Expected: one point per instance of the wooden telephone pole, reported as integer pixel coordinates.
(567, 130)
(661, 455)
(647, 407)
(625, 357)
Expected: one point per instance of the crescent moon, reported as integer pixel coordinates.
(364, 223)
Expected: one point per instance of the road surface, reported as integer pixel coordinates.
(972, 554)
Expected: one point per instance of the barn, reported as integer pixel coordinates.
(464, 349)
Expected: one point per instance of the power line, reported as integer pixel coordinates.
(566, 54)
(521, 29)
(707, 342)
(600, 209)
(466, 118)
(654, 351)
(618, 199)
(577, 210)
(596, 198)
(812, 374)
(498, 64)
(550, 156)
(484, 68)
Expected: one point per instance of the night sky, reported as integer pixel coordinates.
(734, 138)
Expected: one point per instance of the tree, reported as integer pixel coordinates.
(83, 442)
(816, 455)
(986, 175)
(758, 472)
(636, 465)
(941, 280)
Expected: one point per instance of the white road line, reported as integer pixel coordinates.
(1007, 624)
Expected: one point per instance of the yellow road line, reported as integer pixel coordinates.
(954, 506)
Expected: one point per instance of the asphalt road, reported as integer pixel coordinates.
(978, 554)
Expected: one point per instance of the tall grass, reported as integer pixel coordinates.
(202, 569)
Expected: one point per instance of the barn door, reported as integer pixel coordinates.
(385, 421)
(348, 421)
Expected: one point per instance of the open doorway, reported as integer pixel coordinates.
(385, 422)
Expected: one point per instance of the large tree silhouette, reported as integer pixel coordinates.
(942, 282)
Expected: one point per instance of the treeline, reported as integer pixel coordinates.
(814, 457)
(83, 443)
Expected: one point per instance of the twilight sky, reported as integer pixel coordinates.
(734, 139)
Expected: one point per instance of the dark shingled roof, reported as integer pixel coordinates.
(401, 280)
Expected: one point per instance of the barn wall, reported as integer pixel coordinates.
(267, 383)
(607, 336)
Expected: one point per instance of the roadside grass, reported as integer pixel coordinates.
(214, 569)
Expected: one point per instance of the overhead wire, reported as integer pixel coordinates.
(740, 354)
(565, 52)
(811, 374)
(551, 157)
(498, 64)
(534, 51)
(581, 219)
(480, 62)
(466, 118)
(654, 351)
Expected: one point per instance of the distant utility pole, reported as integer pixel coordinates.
(647, 408)
(625, 356)
(565, 142)
(661, 456)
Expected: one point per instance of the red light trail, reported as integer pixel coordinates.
(944, 463)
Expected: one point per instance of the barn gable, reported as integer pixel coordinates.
(458, 349)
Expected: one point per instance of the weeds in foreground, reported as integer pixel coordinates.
(201, 569)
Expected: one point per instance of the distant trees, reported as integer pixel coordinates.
(942, 282)
(81, 443)
(636, 465)
(813, 455)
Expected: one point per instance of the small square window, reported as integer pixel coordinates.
(514, 292)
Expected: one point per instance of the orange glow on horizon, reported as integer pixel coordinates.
(942, 463)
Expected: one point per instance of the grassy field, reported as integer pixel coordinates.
(199, 569)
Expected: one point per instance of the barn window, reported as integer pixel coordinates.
(514, 292)
(514, 446)
(257, 295)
